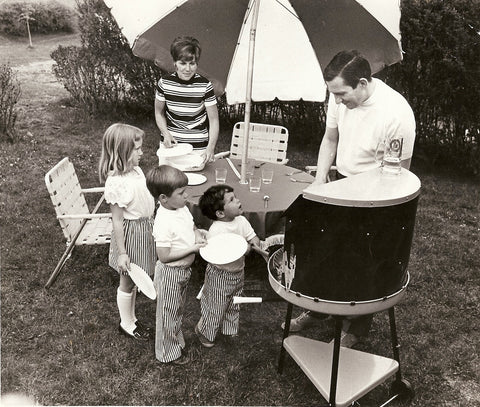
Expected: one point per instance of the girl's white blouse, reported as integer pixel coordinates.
(129, 191)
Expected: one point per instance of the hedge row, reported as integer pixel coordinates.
(43, 18)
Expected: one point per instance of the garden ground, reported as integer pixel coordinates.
(61, 347)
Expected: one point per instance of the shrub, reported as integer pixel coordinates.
(103, 74)
(94, 84)
(305, 120)
(9, 94)
(440, 77)
(46, 18)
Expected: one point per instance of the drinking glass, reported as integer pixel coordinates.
(267, 175)
(392, 154)
(254, 183)
(220, 175)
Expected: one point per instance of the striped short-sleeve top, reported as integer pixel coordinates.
(185, 111)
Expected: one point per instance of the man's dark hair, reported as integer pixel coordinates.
(350, 66)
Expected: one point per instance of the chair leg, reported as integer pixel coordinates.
(70, 247)
(60, 265)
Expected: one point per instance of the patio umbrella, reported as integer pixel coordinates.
(263, 49)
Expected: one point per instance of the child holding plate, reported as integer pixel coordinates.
(132, 209)
(223, 282)
(177, 240)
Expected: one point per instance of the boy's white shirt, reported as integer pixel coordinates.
(175, 229)
(240, 226)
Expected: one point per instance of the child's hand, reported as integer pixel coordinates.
(123, 264)
(198, 245)
(200, 236)
(257, 248)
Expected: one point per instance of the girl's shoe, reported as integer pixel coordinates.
(137, 334)
(143, 327)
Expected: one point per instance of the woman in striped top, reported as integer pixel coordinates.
(185, 104)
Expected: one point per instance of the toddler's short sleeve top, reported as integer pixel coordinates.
(240, 226)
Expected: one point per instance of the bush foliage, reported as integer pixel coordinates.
(439, 76)
(103, 74)
(44, 18)
(9, 94)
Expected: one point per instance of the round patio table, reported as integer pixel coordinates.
(266, 219)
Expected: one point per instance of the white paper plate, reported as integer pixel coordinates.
(142, 281)
(175, 151)
(224, 248)
(195, 179)
(188, 162)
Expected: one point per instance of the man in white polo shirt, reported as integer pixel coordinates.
(362, 112)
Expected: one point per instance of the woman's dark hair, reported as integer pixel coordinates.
(185, 49)
(350, 66)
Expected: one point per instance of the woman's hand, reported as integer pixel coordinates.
(168, 140)
(209, 154)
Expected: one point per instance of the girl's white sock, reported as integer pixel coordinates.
(134, 297)
(124, 303)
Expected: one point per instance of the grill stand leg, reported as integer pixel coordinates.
(335, 360)
(400, 388)
(395, 345)
(286, 331)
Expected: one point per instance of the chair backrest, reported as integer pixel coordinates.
(267, 142)
(66, 195)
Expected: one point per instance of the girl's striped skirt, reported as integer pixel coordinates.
(139, 244)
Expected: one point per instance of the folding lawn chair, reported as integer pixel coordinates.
(79, 225)
(267, 142)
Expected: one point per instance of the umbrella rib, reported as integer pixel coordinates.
(296, 16)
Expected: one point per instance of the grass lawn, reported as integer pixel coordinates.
(61, 347)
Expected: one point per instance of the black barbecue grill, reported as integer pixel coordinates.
(346, 251)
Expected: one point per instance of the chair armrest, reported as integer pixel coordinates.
(94, 189)
(85, 216)
(222, 155)
(310, 168)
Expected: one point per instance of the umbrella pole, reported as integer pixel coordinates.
(248, 99)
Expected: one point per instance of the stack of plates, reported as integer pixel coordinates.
(174, 151)
(189, 162)
(180, 156)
